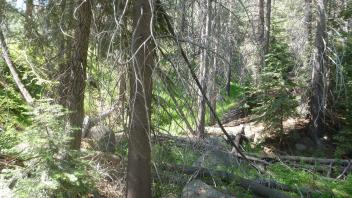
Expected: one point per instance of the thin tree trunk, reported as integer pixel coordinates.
(139, 151)
(29, 15)
(122, 95)
(204, 68)
(267, 27)
(6, 56)
(261, 39)
(308, 21)
(229, 48)
(318, 98)
(212, 79)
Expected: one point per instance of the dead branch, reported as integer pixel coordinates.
(200, 172)
(6, 56)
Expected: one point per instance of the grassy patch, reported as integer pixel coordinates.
(325, 186)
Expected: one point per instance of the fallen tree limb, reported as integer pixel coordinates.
(195, 78)
(254, 159)
(253, 186)
(310, 160)
(6, 56)
(345, 171)
(284, 187)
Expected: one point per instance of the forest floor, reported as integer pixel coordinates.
(187, 167)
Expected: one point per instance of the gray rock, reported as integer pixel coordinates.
(198, 189)
(213, 159)
(103, 138)
(300, 147)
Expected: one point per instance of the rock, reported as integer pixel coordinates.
(307, 141)
(103, 138)
(300, 147)
(198, 189)
(213, 159)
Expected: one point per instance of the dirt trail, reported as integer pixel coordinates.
(235, 120)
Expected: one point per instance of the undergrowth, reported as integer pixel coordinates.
(171, 153)
(49, 167)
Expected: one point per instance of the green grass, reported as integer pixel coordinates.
(168, 152)
(326, 186)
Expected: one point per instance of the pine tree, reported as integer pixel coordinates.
(274, 93)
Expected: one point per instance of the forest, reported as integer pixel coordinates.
(175, 98)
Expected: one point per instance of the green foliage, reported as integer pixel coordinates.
(171, 153)
(8, 139)
(299, 178)
(51, 168)
(343, 139)
(122, 148)
(274, 92)
(13, 109)
(343, 94)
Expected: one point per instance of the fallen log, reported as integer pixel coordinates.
(273, 184)
(254, 159)
(200, 172)
(310, 160)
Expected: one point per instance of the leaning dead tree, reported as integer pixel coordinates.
(6, 56)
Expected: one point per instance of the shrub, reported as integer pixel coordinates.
(51, 168)
(274, 97)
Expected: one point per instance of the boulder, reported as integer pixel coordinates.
(216, 155)
(103, 138)
(213, 159)
(199, 189)
(300, 147)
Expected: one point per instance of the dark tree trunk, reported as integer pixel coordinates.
(261, 32)
(267, 27)
(29, 15)
(308, 20)
(139, 151)
(122, 96)
(73, 78)
(204, 69)
(228, 81)
(318, 98)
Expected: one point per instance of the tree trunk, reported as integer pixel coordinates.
(318, 98)
(267, 27)
(74, 77)
(139, 151)
(308, 28)
(229, 47)
(204, 68)
(261, 39)
(6, 56)
(29, 15)
(122, 96)
(213, 71)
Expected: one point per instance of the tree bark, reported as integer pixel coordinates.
(213, 71)
(139, 151)
(6, 56)
(73, 80)
(318, 97)
(203, 71)
(261, 37)
(267, 27)
(28, 19)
